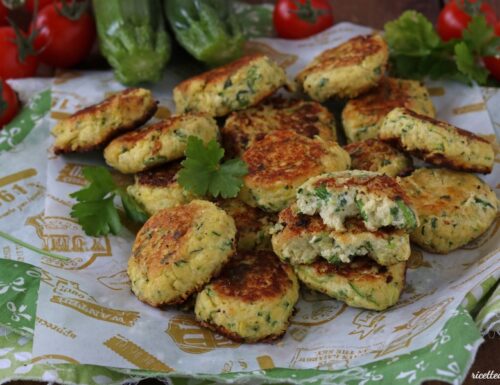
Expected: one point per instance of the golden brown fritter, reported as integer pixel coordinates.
(378, 156)
(437, 142)
(178, 250)
(94, 126)
(281, 162)
(361, 117)
(347, 70)
(307, 118)
(251, 300)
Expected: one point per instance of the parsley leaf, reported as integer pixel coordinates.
(467, 65)
(480, 37)
(203, 173)
(95, 210)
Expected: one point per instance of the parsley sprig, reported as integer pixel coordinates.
(417, 50)
(203, 173)
(96, 211)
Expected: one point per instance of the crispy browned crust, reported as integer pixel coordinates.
(237, 338)
(253, 275)
(162, 176)
(91, 110)
(364, 153)
(246, 218)
(160, 241)
(360, 268)
(283, 156)
(440, 159)
(219, 74)
(384, 184)
(296, 224)
(352, 52)
(304, 121)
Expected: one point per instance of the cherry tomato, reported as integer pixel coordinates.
(453, 18)
(3, 14)
(63, 41)
(9, 105)
(30, 4)
(492, 63)
(13, 63)
(296, 19)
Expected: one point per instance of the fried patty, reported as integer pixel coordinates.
(361, 117)
(377, 198)
(178, 250)
(454, 208)
(346, 71)
(378, 156)
(281, 162)
(251, 300)
(243, 128)
(437, 142)
(94, 126)
(252, 224)
(158, 143)
(362, 283)
(158, 189)
(235, 86)
(301, 239)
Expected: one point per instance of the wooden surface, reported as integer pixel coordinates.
(375, 13)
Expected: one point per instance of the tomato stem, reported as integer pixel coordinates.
(24, 43)
(73, 9)
(307, 12)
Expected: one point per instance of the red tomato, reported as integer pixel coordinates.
(12, 63)
(296, 19)
(61, 41)
(3, 14)
(30, 4)
(453, 18)
(9, 105)
(492, 63)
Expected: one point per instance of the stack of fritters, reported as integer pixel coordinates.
(347, 236)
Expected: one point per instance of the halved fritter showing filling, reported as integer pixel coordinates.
(94, 126)
(158, 189)
(361, 117)
(158, 143)
(346, 71)
(178, 251)
(235, 86)
(281, 162)
(454, 208)
(378, 199)
(251, 300)
(378, 156)
(243, 128)
(301, 239)
(252, 224)
(437, 142)
(362, 283)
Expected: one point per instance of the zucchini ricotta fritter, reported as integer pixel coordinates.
(252, 224)
(361, 117)
(235, 86)
(377, 198)
(178, 250)
(378, 156)
(301, 239)
(454, 208)
(437, 142)
(362, 283)
(281, 162)
(158, 189)
(251, 300)
(243, 128)
(346, 71)
(158, 143)
(94, 126)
